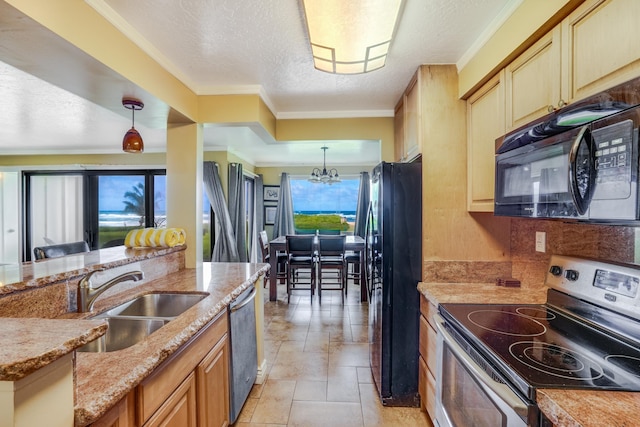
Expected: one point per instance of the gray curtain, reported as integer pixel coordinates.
(284, 212)
(255, 252)
(237, 209)
(259, 183)
(363, 205)
(224, 248)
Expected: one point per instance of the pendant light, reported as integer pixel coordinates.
(132, 142)
(322, 176)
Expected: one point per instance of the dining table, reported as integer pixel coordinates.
(279, 244)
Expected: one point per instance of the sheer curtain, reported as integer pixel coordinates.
(224, 248)
(283, 224)
(237, 209)
(363, 205)
(258, 219)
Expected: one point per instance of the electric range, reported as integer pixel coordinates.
(586, 336)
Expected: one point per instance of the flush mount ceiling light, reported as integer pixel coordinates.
(132, 142)
(322, 176)
(351, 37)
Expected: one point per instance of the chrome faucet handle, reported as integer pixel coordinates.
(85, 282)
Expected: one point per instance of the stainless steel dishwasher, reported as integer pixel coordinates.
(244, 358)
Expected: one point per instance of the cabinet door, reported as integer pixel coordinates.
(121, 415)
(600, 46)
(485, 123)
(213, 386)
(179, 410)
(412, 141)
(532, 82)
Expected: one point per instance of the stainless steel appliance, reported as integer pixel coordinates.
(493, 358)
(244, 357)
(578, 163)
(394, 265)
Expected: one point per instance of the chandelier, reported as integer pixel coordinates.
(322, 176)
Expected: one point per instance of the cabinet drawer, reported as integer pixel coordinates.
(157, 388)
(427, 344)
(431, 395)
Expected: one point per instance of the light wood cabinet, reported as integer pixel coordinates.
(121, 415)
(485, 123)
(407, 123)
(427, 361)
(179, 410)
(213, 385)
(533, 82)
(599, 46)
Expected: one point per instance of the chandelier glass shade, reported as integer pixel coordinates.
(323, 176)
(132, 141)
(351, 37)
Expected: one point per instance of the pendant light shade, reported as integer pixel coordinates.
(351, 37)
(132, 141)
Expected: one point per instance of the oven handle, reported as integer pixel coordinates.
(488, 383)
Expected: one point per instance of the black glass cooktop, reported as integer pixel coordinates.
(537, 346)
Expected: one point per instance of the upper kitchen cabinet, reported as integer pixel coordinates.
(408, 143)
(485, 123)
(532, 82)
(600, 47)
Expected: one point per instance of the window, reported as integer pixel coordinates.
(311, 200)
(99, 207)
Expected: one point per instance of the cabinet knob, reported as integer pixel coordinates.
(561, 103)
(550, 109)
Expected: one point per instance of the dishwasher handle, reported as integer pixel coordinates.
(246, 301)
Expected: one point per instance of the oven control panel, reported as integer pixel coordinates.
(615, 286)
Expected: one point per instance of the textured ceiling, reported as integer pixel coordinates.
(230, 47)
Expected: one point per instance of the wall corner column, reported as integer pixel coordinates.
(184, 186)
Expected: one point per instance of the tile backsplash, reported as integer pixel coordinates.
(609, 243)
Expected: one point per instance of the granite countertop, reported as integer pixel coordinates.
(102, 379)
(564, 407)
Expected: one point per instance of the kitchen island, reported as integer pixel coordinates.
(44, 292)
(563, 407)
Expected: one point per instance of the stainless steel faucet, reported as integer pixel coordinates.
(87, 294)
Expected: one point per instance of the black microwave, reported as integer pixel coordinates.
(579, 165)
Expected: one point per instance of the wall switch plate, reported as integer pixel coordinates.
(541, 241)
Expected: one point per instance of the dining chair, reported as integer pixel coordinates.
(281, 272)
(331, 256)
(352, 258)
(301, 263)
(62, 249)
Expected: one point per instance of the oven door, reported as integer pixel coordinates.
(469, 396)
(551, 178)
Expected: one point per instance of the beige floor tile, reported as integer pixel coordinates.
(325, 414)
(292, 346)
(364, 375)
(300, 366)
(311, 390)
(275, 404)
(360, 333)
(247, 410)
(342, 385)
(348, 354)
(243, 424)
(376, 415)
(317, 342)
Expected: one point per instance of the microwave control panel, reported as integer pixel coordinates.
(613, 152)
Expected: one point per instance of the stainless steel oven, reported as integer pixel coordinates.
(492, 358)
(471, 393)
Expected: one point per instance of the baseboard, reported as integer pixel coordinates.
(262, 372)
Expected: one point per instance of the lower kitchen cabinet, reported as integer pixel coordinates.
(212, 376)
(121, 415)
(189, 389)
(179, 410)
(427, 361)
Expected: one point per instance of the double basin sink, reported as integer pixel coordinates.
(133, 321)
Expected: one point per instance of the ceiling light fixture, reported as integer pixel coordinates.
(322, 176)
(132, 142)
(351, 37)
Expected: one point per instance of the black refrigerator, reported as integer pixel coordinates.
(394, 265)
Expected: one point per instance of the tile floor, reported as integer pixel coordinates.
(318, 367)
